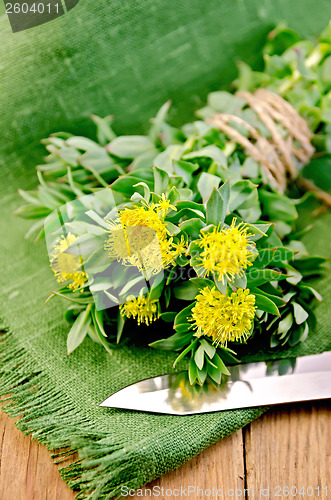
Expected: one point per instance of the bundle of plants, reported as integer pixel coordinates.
(186, 237)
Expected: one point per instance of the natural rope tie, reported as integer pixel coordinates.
(288, 147)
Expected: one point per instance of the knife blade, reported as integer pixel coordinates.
(249, 385)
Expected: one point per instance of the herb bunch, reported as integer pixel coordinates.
(183, 226)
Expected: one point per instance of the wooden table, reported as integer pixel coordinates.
(287, 447)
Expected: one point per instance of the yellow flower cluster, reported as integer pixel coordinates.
(225, 318)
(139, 237)
(225, 252)
(141, 308)
(66, 266)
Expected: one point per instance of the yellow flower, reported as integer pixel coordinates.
(139, 237)
(66, 266)
(145, 310)
(164, 205)
(226, 252)
(225, 318)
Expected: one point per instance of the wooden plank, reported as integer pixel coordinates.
(290, 446)
(27, 471)
(220, 466)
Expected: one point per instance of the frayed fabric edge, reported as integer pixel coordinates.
(104, 466)
(48, 416)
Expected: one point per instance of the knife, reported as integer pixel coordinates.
(249, 385)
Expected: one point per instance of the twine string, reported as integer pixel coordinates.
(286, 150)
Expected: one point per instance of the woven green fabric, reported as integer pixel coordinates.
(124, 58)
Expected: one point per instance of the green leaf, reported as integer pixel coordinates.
(72, 312)
(173, 195)
(159, 121)
(299, 334)
(227, 355)
(94, 216)
(250, 168)
(206, 184)
(282, 254)
(100, 284)
(300, 314)
(294, 276)
(79, 228)
(279, 301)
(202, 375)
(222, 287)
(114, 300)
(282, 39)
(131, 283)
(265, 304)
(37, 229)
(325, 72)
(32, 212)
(104, 130)
(185, 169)
(185, 193)
(183, 315)
(263, 258)
(120, 326)
(224, 191)
(312, 290)
(30, 197)
(172, 228)
(147, 191)
(225, 102)
(216, 209)
(242, 195)
(220, 365)
(98, 320)
(192, 227)
(156, 288)
(199, 357)
(192, 205)
(97, 262)
(309, 263)
(257, 231)
(202, 283)
(214, 372)
(186, 291)
(175, 342)
(85, 244)
(192, 372)
(186, 351)
(125, 184)
(51, 198)
(82, 143)
(79, 330)
(278, 206)
(285, 324)
(71, 297)
(212, 152)
(183, 327)
(144, 162)
(209, 349)
(257, 277)
(99, 331)
(129, 146)
(94, 334)
(161, 180)
(239, 281)
(165, 159)
(168, 316)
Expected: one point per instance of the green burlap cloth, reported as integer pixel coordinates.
(124, 58)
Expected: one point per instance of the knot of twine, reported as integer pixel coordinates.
(280, 154)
